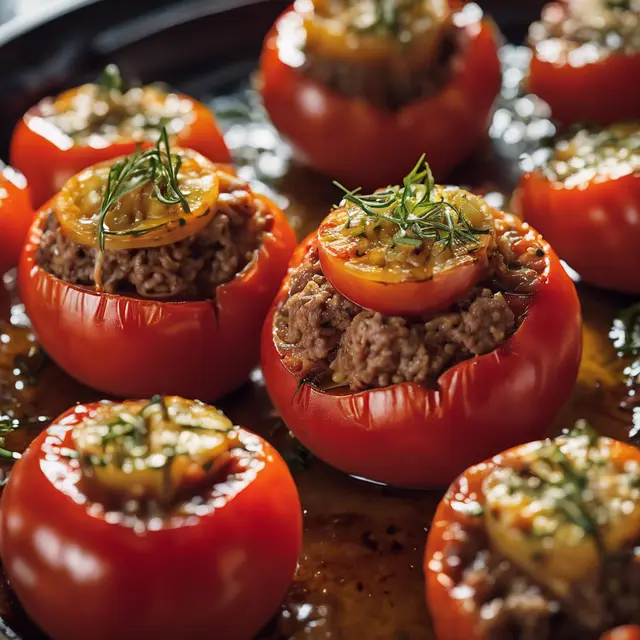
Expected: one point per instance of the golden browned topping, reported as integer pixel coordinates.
(107, 112)
(586, 30)
(152, 449)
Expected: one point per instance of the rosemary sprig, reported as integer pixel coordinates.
(156, 165)
(111, 79)
(417, 214)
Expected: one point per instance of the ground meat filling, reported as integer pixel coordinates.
(327, 338)
(512, 606)
(392, 90)
(189, 269)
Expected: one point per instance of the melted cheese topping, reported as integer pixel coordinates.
(94, 116)
(590, 154)
(558, 509)
(138, 450)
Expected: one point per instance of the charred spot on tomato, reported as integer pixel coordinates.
(586, 154)
(389, 53)
(154, 451)
(584, 31)
(556, 553)
(183, 248)
(108, 112)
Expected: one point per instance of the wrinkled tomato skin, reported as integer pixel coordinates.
(594, 92)
(221, 576)
(408, 435)
(49, 163)
(456, 618)
(128, 347)
(361, 145)
(16, 216)
(595, 227)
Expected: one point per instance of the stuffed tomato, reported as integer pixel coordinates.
(85, 125)
(160, 510)
(361, 90)
(16, 216)
(584, 196)
(585, 54)
(540, 542)
(155, 272)
(418, 332)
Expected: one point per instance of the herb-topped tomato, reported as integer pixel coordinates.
(584, 195)
(362, 89)
(155, 267)
(408, 382)
(585, 52)
(95, 122)
(16, 216)
(161, 510)
(407, 250)
(540, 541)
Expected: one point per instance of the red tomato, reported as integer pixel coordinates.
(49, 158)
(81, 572)
(362, 145)
(16, 216)
(631, 632)
(132, 347)
(593, 92)
(594, 226)
(453, 612)
(408, 435)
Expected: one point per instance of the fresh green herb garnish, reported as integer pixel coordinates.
(416, 213)
(111, 79)
(156, 165)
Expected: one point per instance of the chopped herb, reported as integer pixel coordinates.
(111, 79)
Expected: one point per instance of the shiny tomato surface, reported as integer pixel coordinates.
(453, 612)
(132, 347)
(362, 145)
(82, 571)
(48, 157)
(590, 92)
(630, 632)
(594, 226)
(409, 435)
(16, 216)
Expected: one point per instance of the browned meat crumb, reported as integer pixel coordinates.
(191, 268)
(320, 331)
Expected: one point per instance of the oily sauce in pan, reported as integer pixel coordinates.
(360, 572)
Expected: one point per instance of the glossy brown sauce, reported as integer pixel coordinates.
(360, 572)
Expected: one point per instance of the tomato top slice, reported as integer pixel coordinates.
(407, 250)
(156, 449)
(593, 154)
(372, 32)
(137, 217)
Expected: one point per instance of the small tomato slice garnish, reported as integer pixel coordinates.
(138, 219)
(408, 250)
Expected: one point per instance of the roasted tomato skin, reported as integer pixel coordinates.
(630, 632)
(595, 92)
(362, 145)
(411, 436)
(594, 226)
(223, 574)
(131, 347)
(48, 162)
(453, 618)
(16, 216)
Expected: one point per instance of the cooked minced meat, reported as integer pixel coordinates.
(191, 268)
(319, 331)
(514, 607)
(388, 91)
